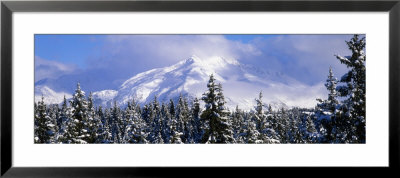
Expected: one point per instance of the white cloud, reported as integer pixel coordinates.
(304, 57)
(173, 48)
(51, 69)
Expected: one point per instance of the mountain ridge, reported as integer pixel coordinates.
(189, 77)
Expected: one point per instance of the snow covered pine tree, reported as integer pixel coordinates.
(353, 89)
(326, 110)
(218, 129)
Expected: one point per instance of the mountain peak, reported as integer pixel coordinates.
(212, 61)
(193, 57)
(189, 77)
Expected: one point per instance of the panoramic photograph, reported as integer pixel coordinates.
(199, 89)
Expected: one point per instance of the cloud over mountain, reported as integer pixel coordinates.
(51, 69)
(241, 84)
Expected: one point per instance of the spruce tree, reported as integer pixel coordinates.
(196, 123)
(175, 135)
(283, 126)
(65, 117)
(52, 122)
(327, 109)
(44, 126)
(252, 134)
(104, 134)
(352, 110)
(294, 128)
(132, 132)
(171, 107)
(166, 117)
(156, 124)
(181, 115)
(80, 116)
(184, 119)
(219, 130)
(237, 120)
(272, 124)
(310, 132)
(260, 116)
(140, 130)
(116, 117)
(93, 123)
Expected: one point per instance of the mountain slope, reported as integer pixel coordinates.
(49, 95)
(104, 97)
(241, 84)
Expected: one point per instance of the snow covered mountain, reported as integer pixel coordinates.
(241, 85)
(49, 95)
(104, 97)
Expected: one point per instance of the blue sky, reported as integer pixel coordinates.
(248, 38)
(70, 49)
(75, 49)
(111, 59)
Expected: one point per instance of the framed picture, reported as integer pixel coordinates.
(103, 88)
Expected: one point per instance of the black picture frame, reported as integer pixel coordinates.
(8, 7)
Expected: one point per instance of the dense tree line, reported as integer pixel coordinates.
(338, 119)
